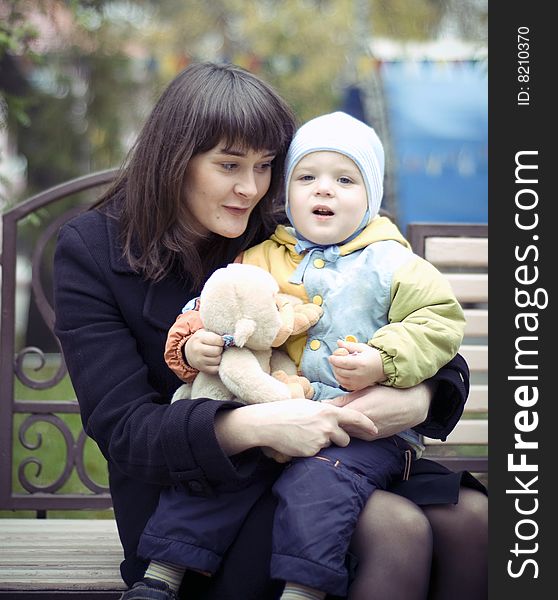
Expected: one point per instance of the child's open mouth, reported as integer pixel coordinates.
(323, 212)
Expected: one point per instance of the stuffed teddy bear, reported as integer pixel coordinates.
(242, 303)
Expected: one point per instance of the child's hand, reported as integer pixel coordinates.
(356, 365)
(203, 351)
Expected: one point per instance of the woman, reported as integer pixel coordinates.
(122, 271)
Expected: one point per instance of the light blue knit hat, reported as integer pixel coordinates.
(339, 132)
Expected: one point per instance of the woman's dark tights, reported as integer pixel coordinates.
(460, 555)
(434, 553)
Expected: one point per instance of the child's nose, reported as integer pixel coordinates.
(324, 187)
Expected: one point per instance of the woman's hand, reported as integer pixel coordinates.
(296, 427)
(392, 409)
(203, 351)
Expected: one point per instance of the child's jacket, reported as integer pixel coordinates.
(377, 292)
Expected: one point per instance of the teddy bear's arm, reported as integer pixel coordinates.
(241, 372)
(306, 316)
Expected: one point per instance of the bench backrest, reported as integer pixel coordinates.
(46, 460)
(460, 251)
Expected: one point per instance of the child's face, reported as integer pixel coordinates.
(327, 197)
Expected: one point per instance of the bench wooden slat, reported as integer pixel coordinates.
(454, 252)
(52, 559)
(37, 580)
(476, 357)
(469, 287)
(478, 399)
(58, 526)
(476, 322)
(467, 431)
(60, 554)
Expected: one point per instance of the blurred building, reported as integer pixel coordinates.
(429, 103)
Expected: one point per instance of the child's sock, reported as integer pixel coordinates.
(295, 591)
(168, 573)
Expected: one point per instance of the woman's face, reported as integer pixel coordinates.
(222, 187)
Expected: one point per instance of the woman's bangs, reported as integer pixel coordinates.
(248, 124)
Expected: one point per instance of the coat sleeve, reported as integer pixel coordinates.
(133, 424)
(451, 392)
(426, 325)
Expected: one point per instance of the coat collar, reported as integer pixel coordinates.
(118, 262)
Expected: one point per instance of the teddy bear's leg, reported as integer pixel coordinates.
(210, 386)
(291, 381)
(184, 392)
(300, 386)
(242, 373)
(281, 361)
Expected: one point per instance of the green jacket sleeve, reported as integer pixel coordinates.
(426, 325)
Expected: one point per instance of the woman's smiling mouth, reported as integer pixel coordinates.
(236, 210)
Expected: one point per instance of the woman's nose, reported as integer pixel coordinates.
(246, 186)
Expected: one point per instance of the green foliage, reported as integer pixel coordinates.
(75, 102)
(16, 33)
(72, 111)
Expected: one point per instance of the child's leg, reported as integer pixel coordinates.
(194, 532)
(319, 501)
(167, 573)
(295, 591)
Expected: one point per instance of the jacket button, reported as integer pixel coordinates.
(351, 338)
(319, 263)
(315, 344)
(195, 486)
(318, 300)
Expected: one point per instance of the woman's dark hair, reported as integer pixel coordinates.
(205, 104)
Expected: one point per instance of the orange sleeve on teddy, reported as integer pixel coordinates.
(185, 325)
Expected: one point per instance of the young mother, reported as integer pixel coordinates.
(199, 186)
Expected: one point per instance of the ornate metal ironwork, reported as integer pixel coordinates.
(51, 495)
(63, 428)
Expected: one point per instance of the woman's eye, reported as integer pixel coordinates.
(228, 166)
(264, 166)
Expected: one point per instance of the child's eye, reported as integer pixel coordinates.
(345, 180)
(306, 178)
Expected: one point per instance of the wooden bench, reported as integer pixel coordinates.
(461, 252)
(79, 557)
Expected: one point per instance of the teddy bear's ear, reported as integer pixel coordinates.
(243, 330)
